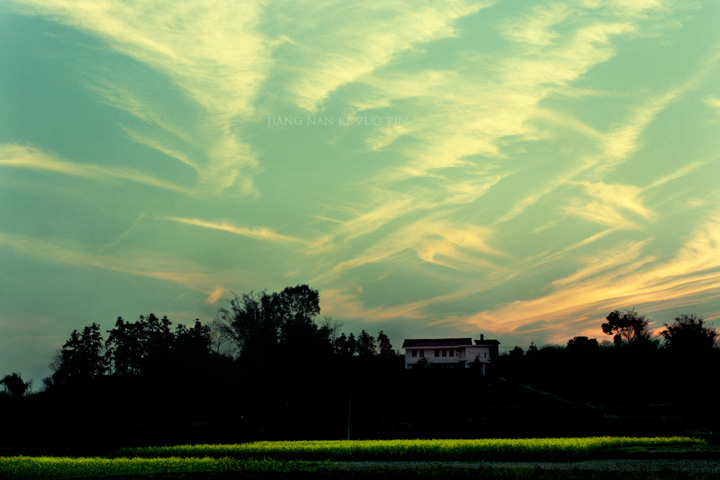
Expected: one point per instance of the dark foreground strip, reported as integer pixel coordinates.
(590, 470)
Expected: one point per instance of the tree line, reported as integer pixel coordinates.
(281, 330)
(687, 335)
(268, 366)
(259, 332)
(636, 367)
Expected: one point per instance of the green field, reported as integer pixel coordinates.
(532, 449)
(482, 458)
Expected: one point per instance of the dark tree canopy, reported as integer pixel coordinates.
(295, 304)
(689, 333)
(260, 324)
(140, 347)
(81, 358)
(517, 352)
(345, 346)
(296, 308)
(366, 345)
(193, 342)
(582, 345)
(15, 385)
(271, 330)
(385, 348)
(626, 326)
(147, 347)
(250, 326)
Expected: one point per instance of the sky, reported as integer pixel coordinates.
(434, 169)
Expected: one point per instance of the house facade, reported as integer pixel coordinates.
(450, 352)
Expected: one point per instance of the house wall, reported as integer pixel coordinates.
(410, 360)
(440, 359)
(482, 352)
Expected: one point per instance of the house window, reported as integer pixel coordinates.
(413, 353)
(451, 352)
(444, 352)
(422, 353)
(437, 352)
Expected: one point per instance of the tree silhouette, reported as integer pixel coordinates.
(627, 326)
(299, 336)
(330, 331)
(582, 345)
(689, 334)
(140, 348)
(194, 341)
(192, 349)
(344, 346)
(366, 346)
(385, 348)
(352, 345)
(295, 304)
(81, 358)
(268, 327)
(219, 335)
(249, 328)
(15, 385)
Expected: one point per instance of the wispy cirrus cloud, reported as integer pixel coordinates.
(535, 29)
(260, 233)
(713, 102)
(470, 109)
(118, 91)
(617, 147)
(213, 52)
(437, 241)
(679, 173)
(188, 274)
(382, 208)
(19, 156)
(618, 279)
(452, 245)
(623, 141)
(625, 254)
(354, 304)
(462, 119)
(349, 303)
(339, 43)
(612, 205)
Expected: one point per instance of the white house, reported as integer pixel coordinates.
(450, 352)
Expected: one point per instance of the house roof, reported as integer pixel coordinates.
(436, 342)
